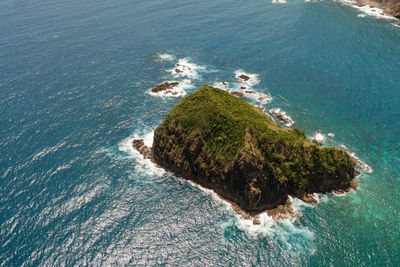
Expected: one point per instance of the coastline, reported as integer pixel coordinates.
(389, 10)
(281, 212)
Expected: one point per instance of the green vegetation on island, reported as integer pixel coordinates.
(232, 147)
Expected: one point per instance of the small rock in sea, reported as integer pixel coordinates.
(238, 94)
(354, 184)
(256, 220)
(309, 199)
(178, 71)
(244, 77)
(261, 109)
(281, 116)
(249, 92)
(398, 23)
(225, 83)
(164, 86)
(339, 191)
(359, 4)
(137, 143)
(147, 152)
(243, 87)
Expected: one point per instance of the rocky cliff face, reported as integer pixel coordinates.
(230, 146)
(390, 7)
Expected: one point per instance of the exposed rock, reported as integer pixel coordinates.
(398, 23)
(256, 220)
(228, 145)
(358, 163)
(389, 7)
(225, 83)
(238, 94)
(282, 212)
(261, 98)
(243, 87)
(361, 165)
(249, 92)
(281, 116)
(164, 86)
(184, 67)
(308, 198)
(244, 77)
(178, 71)
(354, 184)
(137, 143)
(147, 152)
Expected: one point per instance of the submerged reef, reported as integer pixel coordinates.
(226, 144)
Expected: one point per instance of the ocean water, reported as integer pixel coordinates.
(74, 91)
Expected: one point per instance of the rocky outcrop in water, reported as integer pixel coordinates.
(230, 146)
(164, 86)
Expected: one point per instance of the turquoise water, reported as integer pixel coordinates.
(74, 78)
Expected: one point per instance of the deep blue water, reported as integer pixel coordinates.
(73, 92)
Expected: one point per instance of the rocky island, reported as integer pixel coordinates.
(226, 144)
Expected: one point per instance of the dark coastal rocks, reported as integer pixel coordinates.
(281, 212)
(244, 77)
(147, 152)
(238, 94)
(256, 220)
(230, 146)
(389, 7)
(308, 198)
(164, 86)
(398, 23)
(354, 184)
(281, 116)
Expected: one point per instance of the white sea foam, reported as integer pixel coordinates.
(361, 15)
(221, 85)
(283, 230)
(253, 78)
(177, 91)
(319, 137)
(374, 12)
(279, 1)
(359, 163)
(256, 96)
(287, 121)
(165, 57)
(292, 237)
(143, 165)
(331, 135)
(48, 150)
(185, 68)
